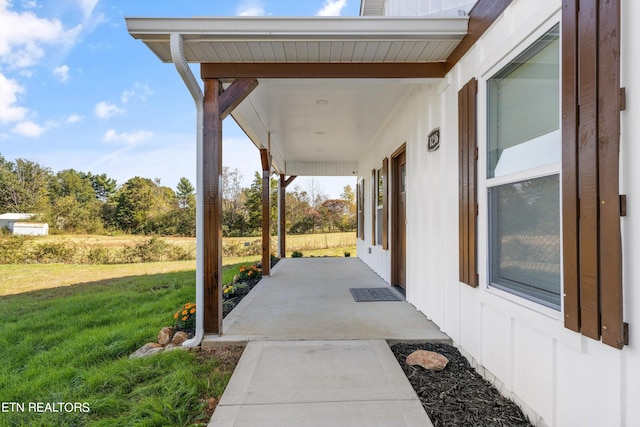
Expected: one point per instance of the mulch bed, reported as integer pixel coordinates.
(458, 395)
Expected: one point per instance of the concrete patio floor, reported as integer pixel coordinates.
(315, 356)
(309, 299)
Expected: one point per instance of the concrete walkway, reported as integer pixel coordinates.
(315, 357)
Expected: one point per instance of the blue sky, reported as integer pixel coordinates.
(76, 91)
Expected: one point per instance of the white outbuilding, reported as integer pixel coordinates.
(19, 224)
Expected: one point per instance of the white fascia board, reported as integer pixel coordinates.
(299, 28)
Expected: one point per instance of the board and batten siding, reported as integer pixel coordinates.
(560, 377)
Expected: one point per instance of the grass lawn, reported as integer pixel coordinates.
(67, 332)
(71, 344)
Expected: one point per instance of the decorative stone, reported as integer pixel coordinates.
(428, 360)
(164, 336)
(146, 350)
(153, 345)
(179, 337)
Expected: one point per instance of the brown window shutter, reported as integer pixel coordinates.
(592, 248)
(374, 205)
(612, 320)
(360, 208)
(385, 203)
(570, 166)
(467, 183)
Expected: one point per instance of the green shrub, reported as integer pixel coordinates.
(154, 249)
(296, 254)
(53, 252)
(14, 250)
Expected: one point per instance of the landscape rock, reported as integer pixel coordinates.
(153, 345)
(428, 360)
(164, 336)
(179, 337)
(146, 350)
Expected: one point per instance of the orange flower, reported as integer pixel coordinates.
(193, 310)
(250, 273)
(184, 312)
(184, 318)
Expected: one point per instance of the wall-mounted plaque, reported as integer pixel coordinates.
(433, 140)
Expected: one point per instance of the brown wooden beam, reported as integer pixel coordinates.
(212, 174)
(483, 14)
(235, 94)
(361, 70)
(289, 180)
(266, 211)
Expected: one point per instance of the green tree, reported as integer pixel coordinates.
(336, 215)
(23, 186)
(298, 210)
(234, 214)
(143, 206)
(103, 186)
(74, 205)
(186, 212)
(70, 182)
(253, 204)
(184, 192)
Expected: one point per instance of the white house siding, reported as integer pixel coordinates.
(560, 377)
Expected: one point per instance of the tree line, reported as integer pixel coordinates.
(72, 201)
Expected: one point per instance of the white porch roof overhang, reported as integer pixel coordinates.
(326, 84)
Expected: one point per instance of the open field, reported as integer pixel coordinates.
(19, 278)
(295, 242)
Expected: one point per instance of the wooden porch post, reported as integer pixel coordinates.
(282, 214)
(266, 211)
(282, 217)
(212, 173)
(217, 105)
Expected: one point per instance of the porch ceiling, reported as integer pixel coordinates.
(317, 125)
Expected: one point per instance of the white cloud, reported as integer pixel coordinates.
(126, 95)
(9, 111)
(332, 8)
(22, 35)
(74, 118)
(130, 138)
(104, 110)
(62, 73)
(141, 90)
(29, 4)
(28, 128)
(250, 8)
(87, 7)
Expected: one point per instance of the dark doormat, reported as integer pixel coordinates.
(374, 294)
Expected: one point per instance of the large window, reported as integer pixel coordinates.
(523, 166)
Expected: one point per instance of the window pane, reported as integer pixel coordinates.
(379, 227)
(523, 101)
(525, 239)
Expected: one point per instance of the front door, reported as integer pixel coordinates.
(399, 219)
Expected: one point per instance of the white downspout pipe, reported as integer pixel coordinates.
(179, 60)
